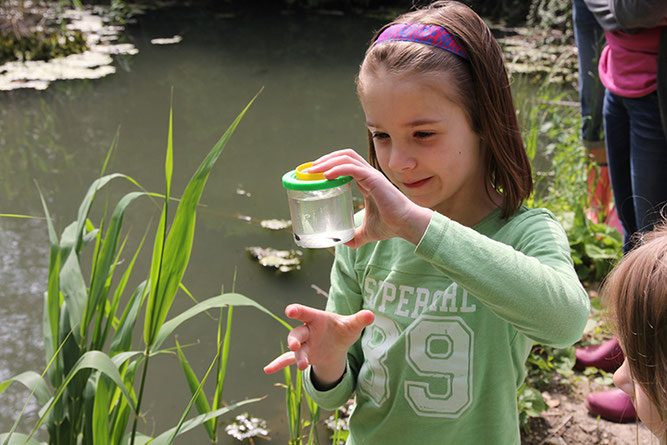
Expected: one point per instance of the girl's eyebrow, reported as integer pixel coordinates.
(415, 123)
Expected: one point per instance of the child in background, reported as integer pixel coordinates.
(437, 301)
(636, 293)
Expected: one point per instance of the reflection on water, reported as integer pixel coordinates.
(23, 277)
(59, 138)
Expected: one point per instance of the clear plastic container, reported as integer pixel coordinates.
(321, 210)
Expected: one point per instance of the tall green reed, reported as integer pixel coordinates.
(295, 397)
(88, 391)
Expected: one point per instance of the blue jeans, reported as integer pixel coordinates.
(589, 37)
(637, 157)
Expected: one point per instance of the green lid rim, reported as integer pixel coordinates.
(291, 182)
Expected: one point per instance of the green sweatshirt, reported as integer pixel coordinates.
(455, 319)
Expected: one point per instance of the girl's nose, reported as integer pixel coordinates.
(623, 379)
(400, 158)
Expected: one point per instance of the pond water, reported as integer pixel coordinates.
(58, 138)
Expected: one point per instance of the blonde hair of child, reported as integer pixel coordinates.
(636, 295)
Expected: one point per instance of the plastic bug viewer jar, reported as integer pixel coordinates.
(321, 209)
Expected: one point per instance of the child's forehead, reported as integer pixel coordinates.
(438, 82)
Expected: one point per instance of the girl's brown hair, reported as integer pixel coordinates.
(636, 294)
(482, 85)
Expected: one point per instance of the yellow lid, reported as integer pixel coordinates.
(303, 176)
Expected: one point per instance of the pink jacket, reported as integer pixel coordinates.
(629, 63)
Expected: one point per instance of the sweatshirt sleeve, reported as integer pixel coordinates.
(530, 282)
(601, 10)
(344, 298)
(632, 14)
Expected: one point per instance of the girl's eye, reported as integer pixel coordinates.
(423, 134)
(380, 135)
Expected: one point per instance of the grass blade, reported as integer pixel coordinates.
(34, 382)
(197, 393)
(231, 299)
(166, 438)
(19, 439)
(100, 418)
(96, 360)
(52, 296)
(106, 258)
(123, 413)
(178, 244)
(73, 288)
(222, 371)
(122, 340)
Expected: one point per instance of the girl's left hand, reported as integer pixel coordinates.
(389, 213)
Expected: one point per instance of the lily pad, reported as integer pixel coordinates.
(276, 224)
(94, 63)
(245, 427)
(167, 40)
(283, 260)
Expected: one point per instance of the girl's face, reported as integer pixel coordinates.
(425, 145)
(645, 409)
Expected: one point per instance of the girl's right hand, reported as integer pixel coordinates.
(389, 213)
(322, 341)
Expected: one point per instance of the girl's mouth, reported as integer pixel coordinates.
(416, 184)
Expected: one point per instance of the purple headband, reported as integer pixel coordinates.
(426, 34)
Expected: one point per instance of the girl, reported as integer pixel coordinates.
(636, 293)
(436, 302)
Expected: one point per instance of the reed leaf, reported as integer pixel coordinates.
(120, 290)
(105, 262)
(12, 215)
(314, 412)
(167, 437)
(34, 382)
(112, 307)
(69, 351)
(160, 238)
(51, 297)
(122, 411)
(154, 277)
(100, 415)
(139, 439)
(197, 393)
(84, 208)
(122, 339)
(96, 360)
(169, 160)
(19, 439)
(178, 245)
(89, 400)
(224, 356)
(195, 397)
(120, 359)
(73, 288)
(230, 299)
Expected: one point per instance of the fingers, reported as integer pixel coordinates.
(301, 357)
(284, 360)
(348, 152)
(362, 319)
(303, 313)
(333, 164)
(359, 239)
(297, 337)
